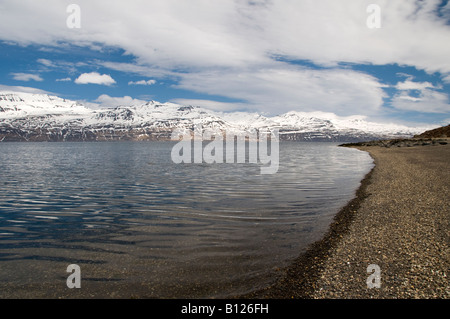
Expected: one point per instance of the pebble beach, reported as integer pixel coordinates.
(398, 222)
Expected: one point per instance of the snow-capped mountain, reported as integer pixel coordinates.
(41, 117)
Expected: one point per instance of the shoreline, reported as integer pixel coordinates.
(388, 223)
(398, 219)
(301, 276)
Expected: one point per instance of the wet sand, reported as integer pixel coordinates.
(399, 221)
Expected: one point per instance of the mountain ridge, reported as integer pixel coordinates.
(440, 132)
(44, 117)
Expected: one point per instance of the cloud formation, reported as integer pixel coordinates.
(282, 89)
(142, 82)
(24, 89)
(231, 33)
(420, 97)
(95, 78)
(108, 101)
(410, 85)
(26, 77)
(246, 50)
(446, 78)
(64, 80)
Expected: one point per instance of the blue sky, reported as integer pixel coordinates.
(262, 56)
(59, 69)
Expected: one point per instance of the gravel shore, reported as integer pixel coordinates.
(398, 221)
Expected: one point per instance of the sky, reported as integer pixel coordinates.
(388, 61)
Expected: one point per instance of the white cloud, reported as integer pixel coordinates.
(410, 85)
(428, 101)
(64, 80)
(109, 101)
(142, 82)
(286, 88)
(405, 75)
(45, 62)
(23, 89)
(446, 78)
(69, 67)
(26, 77)
(230, 33)
(135, 68)
(234, 48)
(95, 78)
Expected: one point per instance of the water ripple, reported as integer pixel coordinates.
(126, 206)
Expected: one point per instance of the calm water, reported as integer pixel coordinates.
(139, 225)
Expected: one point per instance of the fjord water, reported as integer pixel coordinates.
(139, 225)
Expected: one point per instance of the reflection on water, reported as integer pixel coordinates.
(139, 225)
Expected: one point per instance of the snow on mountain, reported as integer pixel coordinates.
(247, 120)
(323, 121)
(13, 104)
(42, 117)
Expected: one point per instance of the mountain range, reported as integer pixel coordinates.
(43, 117)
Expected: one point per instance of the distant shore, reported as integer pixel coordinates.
(398, 221)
